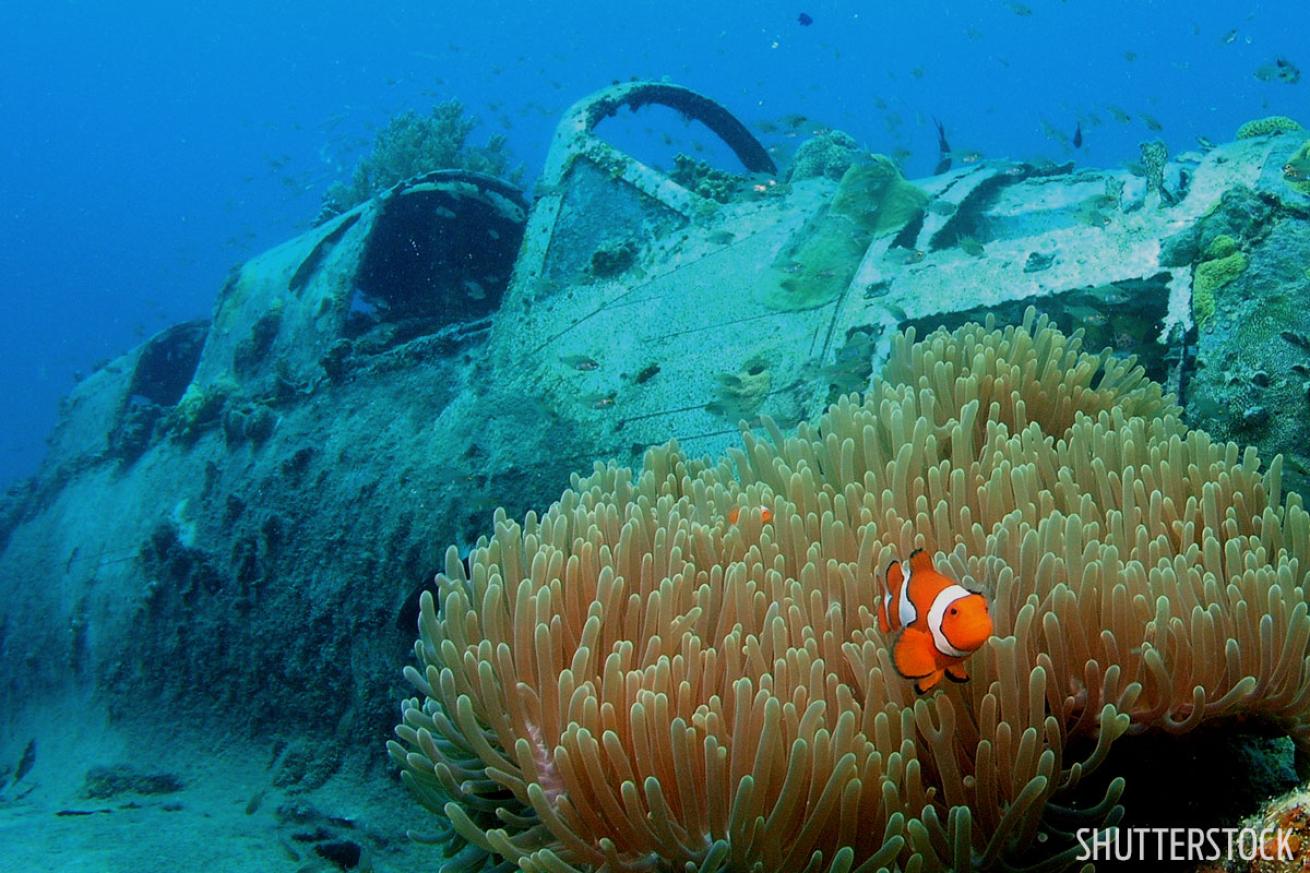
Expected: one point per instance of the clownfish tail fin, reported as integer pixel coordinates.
(924, 685)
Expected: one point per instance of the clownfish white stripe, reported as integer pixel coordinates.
(905, 610)
(937, 611)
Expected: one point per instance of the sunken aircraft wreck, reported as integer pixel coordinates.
(235, 519)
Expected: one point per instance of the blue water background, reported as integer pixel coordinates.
(147, 148)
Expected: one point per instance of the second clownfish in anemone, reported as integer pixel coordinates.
(734, 515)
(940, 622)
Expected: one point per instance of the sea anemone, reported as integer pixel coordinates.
(631, 681)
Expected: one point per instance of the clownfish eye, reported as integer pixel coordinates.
(955, 610)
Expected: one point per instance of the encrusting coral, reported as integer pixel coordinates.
(1224, 263)
(1267, 126)
(632, 682)
(872, 199)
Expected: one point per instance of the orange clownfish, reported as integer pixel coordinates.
(734, 514)
(941, 623)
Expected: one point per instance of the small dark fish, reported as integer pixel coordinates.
(971, 246)
(804, 19)
(1054, 133)
(26, 762)
(580, 362)
(257, 799)
(1078, 135)
(1151, 122)
(1281, 70)
(943, 150)
(1296, 339)
(648, 372)
(897, 255)
(407, 617)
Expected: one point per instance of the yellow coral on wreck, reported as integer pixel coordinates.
(629, 682)
(1224, 263)
(1267, 126)
(872, 199)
